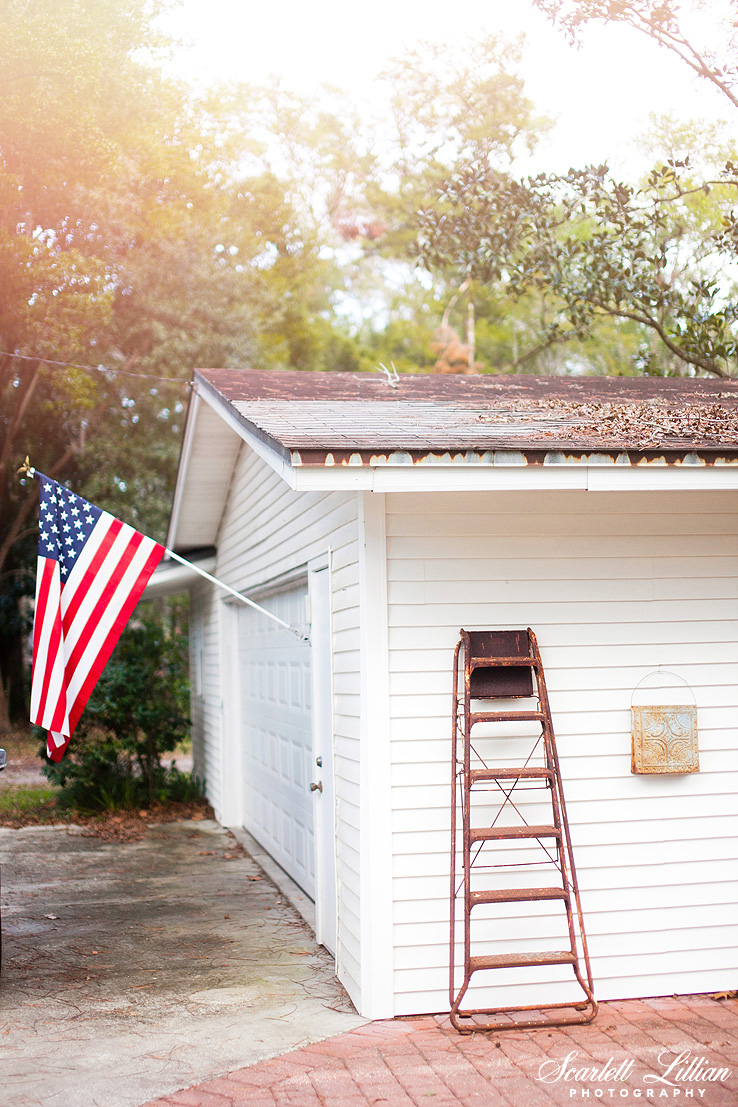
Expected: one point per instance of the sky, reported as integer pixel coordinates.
(601, 95)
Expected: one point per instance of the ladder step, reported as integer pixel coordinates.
(527, 773)
(520, 960)
(499, 833)
(516, 895)
(504, 662)
(507, 717)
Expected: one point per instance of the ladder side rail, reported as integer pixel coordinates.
(454, 801)
(566, 859)
(570, 876)
(466, 808)
(559, 813)
(567, 847)
(566, 868)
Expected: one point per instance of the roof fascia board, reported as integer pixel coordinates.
(657, 478)
(593, 478)
(243, 429)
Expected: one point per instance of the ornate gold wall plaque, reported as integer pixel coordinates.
(664, 739)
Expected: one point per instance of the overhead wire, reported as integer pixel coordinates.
(94, 368)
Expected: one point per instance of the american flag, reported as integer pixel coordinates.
(91, 572)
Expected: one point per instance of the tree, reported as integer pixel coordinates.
(658, 256)
(356, 182)
(597, 248)
(134, 247)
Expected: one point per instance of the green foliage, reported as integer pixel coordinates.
(137, 713)
(596, 247)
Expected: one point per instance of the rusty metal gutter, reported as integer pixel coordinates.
(512, 458)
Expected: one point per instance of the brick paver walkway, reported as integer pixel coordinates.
(679, 1050)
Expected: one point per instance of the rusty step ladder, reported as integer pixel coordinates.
(495, 846)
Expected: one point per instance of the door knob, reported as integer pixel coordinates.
(317, 787)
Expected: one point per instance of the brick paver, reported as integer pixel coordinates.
(423, 1062)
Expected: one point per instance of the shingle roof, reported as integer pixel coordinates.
(340, 414)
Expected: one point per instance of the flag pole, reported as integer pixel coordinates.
(27, 470)
(238, 595)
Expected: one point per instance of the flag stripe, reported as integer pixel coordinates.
(102, 623)
(44, 569)
(48, 642)
(93, 629)
(95, 585)
(51, 689)
(155, 555)
(85, 571)
(94, 633)
(56, 745)
(89, 550)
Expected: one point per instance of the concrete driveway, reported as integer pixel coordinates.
(132, 969)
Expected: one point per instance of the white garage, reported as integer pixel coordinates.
(405, 513)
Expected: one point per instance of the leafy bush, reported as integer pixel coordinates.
(136, 713)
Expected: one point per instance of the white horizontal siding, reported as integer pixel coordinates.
(267, 531)
(614, 585)
(205, 704)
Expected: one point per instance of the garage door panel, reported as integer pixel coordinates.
(276, 732)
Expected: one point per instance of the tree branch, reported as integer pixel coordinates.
(648, 321)
(683, 49)
(552, 340)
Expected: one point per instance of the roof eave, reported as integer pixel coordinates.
(406, 470)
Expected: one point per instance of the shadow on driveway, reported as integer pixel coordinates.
(131, 969)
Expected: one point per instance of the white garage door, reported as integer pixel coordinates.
(276, 722)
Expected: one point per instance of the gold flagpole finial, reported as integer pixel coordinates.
(26, 469)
